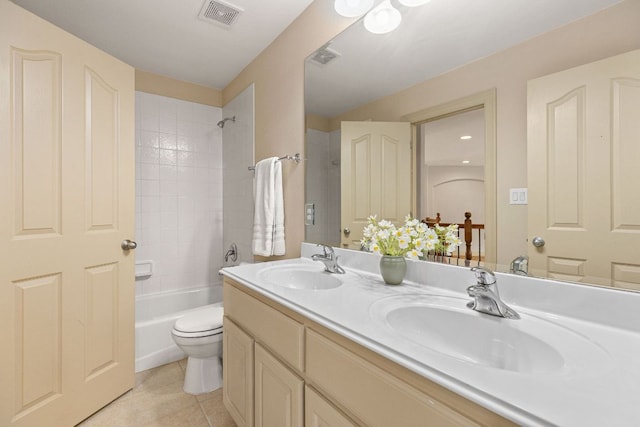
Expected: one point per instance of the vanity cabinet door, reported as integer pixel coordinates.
(238, 373)
(320, 413)
(278, 393)
(372, 395)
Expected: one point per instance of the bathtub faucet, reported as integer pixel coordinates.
(231, 253)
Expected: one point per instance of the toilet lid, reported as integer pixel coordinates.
(204, 319)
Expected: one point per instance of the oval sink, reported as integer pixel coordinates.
(312, 278)
(528, 345)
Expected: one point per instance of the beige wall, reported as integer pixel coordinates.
(166, 86)
(320, 123)
(279, 76)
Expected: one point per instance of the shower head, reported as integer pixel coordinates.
(222, 122)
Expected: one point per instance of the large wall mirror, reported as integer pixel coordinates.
(453, 70)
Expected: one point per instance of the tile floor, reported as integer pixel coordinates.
(158, 400)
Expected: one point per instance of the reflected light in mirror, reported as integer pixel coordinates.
(352, 8)
(384, 18)
(413, 3)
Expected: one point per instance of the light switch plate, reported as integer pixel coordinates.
(309, 214)
(518, 196)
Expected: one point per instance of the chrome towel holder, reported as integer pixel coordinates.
(296, 158)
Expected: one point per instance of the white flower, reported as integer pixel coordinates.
(414, 254)
(385, 224)
(382, 234)
(403, 241)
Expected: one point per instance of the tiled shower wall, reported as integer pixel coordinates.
(178, 193)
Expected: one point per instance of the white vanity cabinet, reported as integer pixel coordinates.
(283, 369)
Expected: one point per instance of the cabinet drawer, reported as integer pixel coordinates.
(281, 334)
(373, 396)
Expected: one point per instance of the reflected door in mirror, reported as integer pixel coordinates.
(376, 178)
(583, 152)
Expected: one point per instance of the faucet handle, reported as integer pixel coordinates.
(326, 250)
(484, 276)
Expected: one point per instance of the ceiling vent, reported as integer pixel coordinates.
(219, 13)
(324, 55)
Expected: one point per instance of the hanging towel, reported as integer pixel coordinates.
(268, 218)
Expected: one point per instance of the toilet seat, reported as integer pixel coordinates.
(203, 322)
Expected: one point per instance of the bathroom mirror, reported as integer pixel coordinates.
(411, 70)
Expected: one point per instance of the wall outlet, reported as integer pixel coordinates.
(518, 196)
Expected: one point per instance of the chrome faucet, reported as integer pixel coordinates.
(486, 296)
(520, 265)
(329, 259)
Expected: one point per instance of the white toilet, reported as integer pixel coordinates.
(199, 335)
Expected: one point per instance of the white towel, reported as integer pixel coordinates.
(268, 218)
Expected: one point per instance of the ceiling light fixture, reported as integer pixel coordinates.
(383, 18)
(413, 3)
(465, 137)
(466, 162)
(352, 8)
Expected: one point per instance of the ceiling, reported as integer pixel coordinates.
(431, 40)
(167, 37)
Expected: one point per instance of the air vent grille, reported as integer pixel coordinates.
(219, 12)
(324, 55)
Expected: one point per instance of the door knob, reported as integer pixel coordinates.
(347, 231)
(538, 242)
(128, 244)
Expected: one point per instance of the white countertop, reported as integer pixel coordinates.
(607, 393)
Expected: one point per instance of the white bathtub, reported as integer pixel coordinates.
(155, 316)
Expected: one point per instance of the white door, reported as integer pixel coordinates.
(583, 153)
(375, 175)
(67, 202)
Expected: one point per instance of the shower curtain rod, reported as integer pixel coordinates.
(296, 158)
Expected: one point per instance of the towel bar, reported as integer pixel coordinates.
(296, 158)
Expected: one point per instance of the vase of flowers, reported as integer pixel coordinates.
(448, 241)
(412, 240)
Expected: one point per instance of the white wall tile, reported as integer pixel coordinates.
(148, 155)
(174, 179)
(148, 171)
(167, 157)
(149, 187)
(147, 138)
(167, 140)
